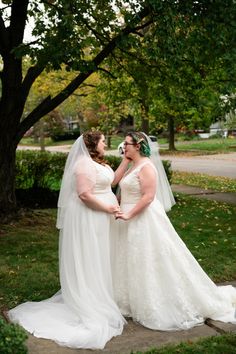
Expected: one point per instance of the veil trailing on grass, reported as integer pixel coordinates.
(83, 314)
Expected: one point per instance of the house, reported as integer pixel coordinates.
(218, 128)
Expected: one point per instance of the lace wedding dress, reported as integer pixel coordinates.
(156, 279)
(83, 314)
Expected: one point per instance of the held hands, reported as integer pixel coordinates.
(113, 209)
(123, 216)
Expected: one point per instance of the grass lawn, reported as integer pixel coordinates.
(115, 141)
(47, 142)
(225, 344)
(29, 257)
(214, 145)
(206, 146)
(193, 147)
(220, 184)
(209, 230)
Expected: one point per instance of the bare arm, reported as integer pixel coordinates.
(92, 202)
(147, 177)
(120, 171)
(84, 187)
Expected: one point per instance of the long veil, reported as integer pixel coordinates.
(80, 163)
(83, 314)
(164, 193)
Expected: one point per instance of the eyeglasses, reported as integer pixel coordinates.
(125, 143)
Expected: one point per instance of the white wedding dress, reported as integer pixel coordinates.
(156, 279)
(83, 314)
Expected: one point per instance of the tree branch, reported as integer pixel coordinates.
(3, 37)
(17, 22)
(32, 74)
(144, 25)
(49, 104)
(107, 72)
(96, 34)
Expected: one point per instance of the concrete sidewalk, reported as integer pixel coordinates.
(137, 338)
(229, 198)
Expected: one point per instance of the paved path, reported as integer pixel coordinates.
(229, 198)
(137, 338)
(223, 165)
(215, 165)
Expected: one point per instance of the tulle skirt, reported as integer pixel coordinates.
(83, 313)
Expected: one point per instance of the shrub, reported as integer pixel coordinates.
(36, 169)
(215, 136)
(12, 338)
(39, 174)
(113, 161)
(168, 170)
(66, 135)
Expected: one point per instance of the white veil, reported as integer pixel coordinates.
(164, 193)
(79, 163)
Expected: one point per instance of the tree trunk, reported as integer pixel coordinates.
(171, 129)
(144, 119)
(7, 179)
(41, 135)
(109, 141)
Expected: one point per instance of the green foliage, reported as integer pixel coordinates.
(12, 338)
(187, 50)
(113, 161)
(210, 145)
(29, 258)
(168, 170)
(35, 169)
(65, 135)
(224, 344)
(178, 68)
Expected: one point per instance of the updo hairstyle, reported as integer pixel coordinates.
(139, 138)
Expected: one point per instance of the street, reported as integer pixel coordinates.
(223, 165)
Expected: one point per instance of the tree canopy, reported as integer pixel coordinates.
(81, 35)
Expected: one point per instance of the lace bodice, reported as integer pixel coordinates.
(130, 185)
(156, 279)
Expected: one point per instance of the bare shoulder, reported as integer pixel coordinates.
(147, 170)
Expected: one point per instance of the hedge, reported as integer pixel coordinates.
(66, 135)
(40, 173)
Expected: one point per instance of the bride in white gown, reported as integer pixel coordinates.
(83, 314)
(156, 279)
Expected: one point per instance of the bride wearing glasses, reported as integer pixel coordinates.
(156, 279)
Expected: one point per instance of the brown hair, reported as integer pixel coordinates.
(91, 140)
